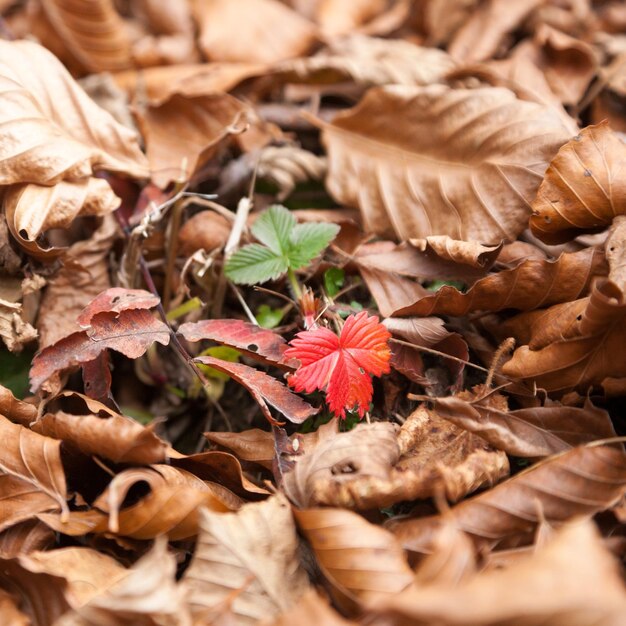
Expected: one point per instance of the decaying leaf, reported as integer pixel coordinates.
(577, 483)
(422, 161)
(249, 558)
(15, 331)
(582, 191)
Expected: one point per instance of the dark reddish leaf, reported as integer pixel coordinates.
(258, 343)
(265, 390)
(116, 300)
(131, 332)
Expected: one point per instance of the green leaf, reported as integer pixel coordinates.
(273, 228)
(334, 278)
(219, 352)
(254, 264)
(308, 240)
(268, 317)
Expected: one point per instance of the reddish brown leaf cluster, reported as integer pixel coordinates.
(416, 417)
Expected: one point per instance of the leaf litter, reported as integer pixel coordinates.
(319, 309)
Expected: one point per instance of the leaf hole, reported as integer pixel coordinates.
(579, 318)
(253, 347)
(344, 468)
(115, 300)
(24, 234)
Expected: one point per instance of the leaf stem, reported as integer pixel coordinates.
(295, 285)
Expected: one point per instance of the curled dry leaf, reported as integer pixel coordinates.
(249, 558)
(421, 161)
(93, 32)
(25, 537)
(170, 508)
(65, 137)
(16, 410)
(130, 332)
(36, 461)
(464, 252)
(265, 390)
(369, 61)
(116, 300)
(530, 285)
(236, 31)
(148, 595)
(206, 230)
(554, 585)
(482, 34)
(15, 329)
(9, 611)
(255, 342)
(182, 133)
(580, 482)
(534, 432)
(357, 558)
(570, 345)
(583, 188)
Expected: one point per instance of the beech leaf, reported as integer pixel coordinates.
(342, 365)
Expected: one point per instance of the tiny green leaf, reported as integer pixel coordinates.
(273, 228)
(268, 317)
(254, 264)
(334, 278)
(308, 240)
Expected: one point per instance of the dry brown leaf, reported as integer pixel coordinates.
(615, 251)
(583, 188)
(25, 537)
(206, 230)
(421, 161)
(556, 585)
(337, 17)
(86, 571)
(442, 18)
(310, 610)
(93, 32)
(35, 460)
(170, 508)
(191, 80)
(250, 557)
(530, 285)
(237, 31)
(359, 559)
(104, 434)
(16, 410)
(571, 345)
(580, 482)
(147, 595)
(183, 133)
(369, 61)
(48, 139)
(465, 252)
(373, 466)
(484, 32)
(9, 611)
(85, 274)
(533, 432)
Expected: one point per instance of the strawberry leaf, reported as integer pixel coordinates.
(254, 264)
(308, 240)
(273, 228)
(342, 365)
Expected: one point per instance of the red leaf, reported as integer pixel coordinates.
(265, 390)
(115, 300)
(130, 332)
(342, 365)
(258, 343)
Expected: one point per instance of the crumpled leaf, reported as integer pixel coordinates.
(358, 559)
(533, 432)
(577, 483)
(465, 252)
(265, 390)
(16, 410)
(104, 433)
(182, 133)
(530, 285)
(256, 342)
(552, 586)
(15, 331)
(236, 31)
(342, 365)
(148, 595)
(569, 346)
(170, 508)
(420, 161)
(25, 537)
(583, 188)
(250, 557)
(93, 32)
(369, 61)
(9, 611)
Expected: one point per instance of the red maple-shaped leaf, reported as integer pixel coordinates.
(342, 365)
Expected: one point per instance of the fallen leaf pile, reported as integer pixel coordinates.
(312, 312)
